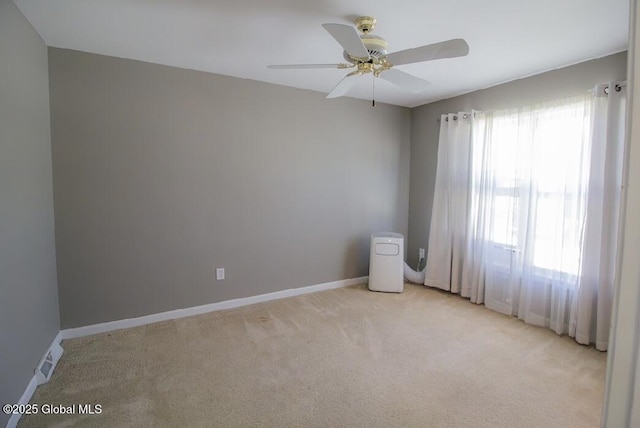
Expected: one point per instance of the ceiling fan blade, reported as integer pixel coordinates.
(306, 66)
(405, 80)
(348, 38)
(343, 86)
(448, 49)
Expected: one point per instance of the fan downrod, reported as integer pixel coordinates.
(365, 24)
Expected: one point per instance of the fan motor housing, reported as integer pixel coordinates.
(376, 46)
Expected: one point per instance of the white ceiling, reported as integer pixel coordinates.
(508, 39)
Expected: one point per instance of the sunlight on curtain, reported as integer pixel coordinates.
(536, 160)
(539, 160)
(525, 210)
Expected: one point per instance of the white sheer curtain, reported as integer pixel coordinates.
(591, 310)
(524, 196)
(535, 209)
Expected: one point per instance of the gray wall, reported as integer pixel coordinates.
(556, 84)
(29, 301)
(163, 174)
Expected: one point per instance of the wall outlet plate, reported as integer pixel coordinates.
(219, 273)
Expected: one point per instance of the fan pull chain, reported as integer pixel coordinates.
(373, 91)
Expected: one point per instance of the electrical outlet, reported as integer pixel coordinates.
(421, 253)
(219, 273)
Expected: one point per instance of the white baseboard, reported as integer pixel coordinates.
(33, 384)
(179, 313)
(72, 333)
(26, 397)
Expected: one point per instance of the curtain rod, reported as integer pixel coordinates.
(464, 115)
(618, 87)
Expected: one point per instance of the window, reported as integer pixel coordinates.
(530, 173)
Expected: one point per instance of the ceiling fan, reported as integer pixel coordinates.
(368, 54)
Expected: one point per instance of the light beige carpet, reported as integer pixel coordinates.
(339, 358)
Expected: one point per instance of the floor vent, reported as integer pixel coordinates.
(45, 368)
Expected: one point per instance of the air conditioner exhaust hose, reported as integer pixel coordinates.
(413, 276)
